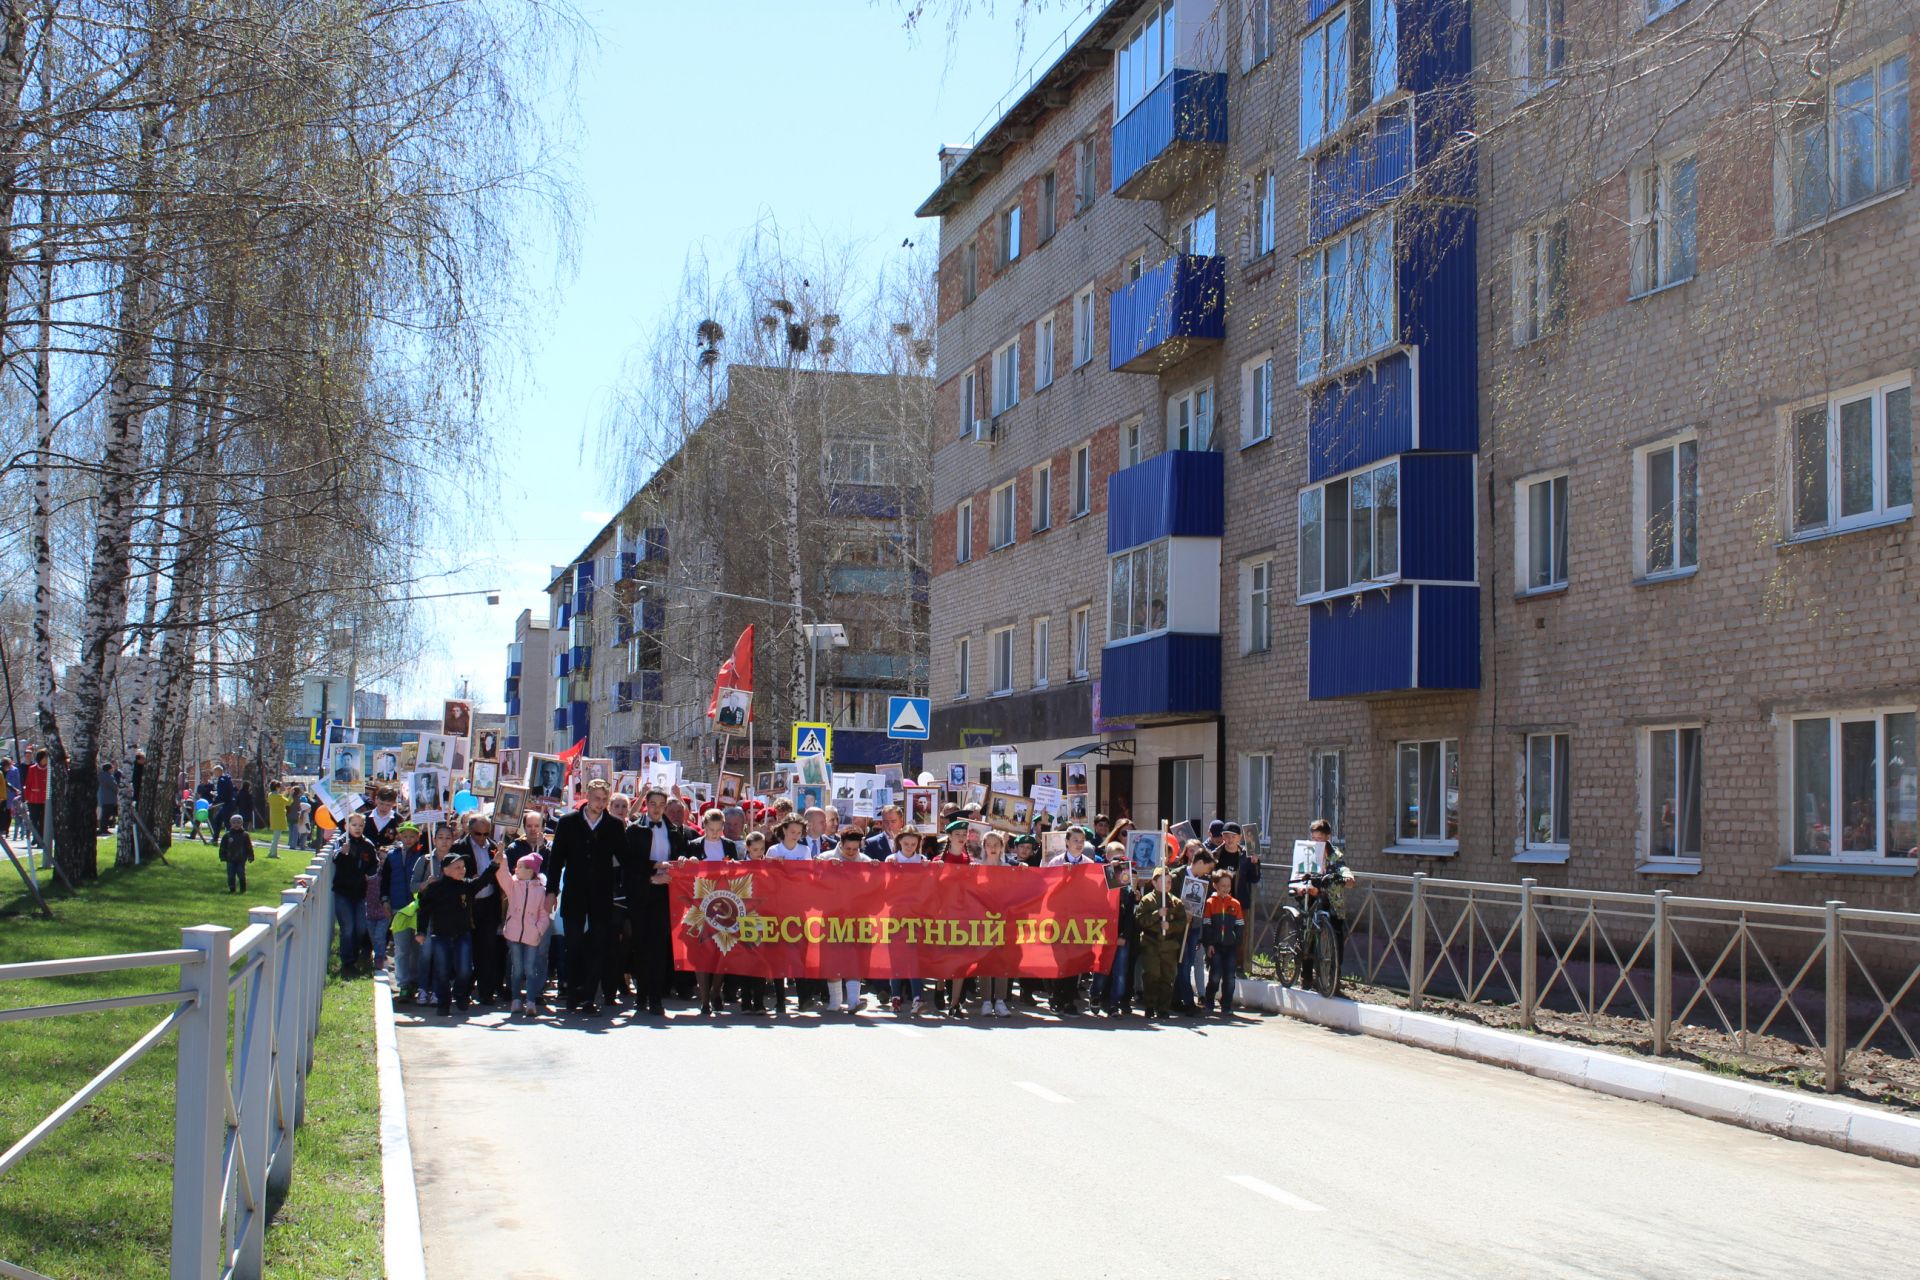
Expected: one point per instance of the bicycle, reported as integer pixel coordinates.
(1307, 946)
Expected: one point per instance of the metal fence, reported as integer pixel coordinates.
(245, 1013)
(1825, 989)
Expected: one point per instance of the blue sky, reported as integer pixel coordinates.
(696, 122)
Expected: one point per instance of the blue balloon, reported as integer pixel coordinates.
(463, 801)
(200, 808)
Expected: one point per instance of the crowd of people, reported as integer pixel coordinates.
(576, 917)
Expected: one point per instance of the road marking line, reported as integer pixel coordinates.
(1040, 1091)
(1272, 1192)
(905, 1031)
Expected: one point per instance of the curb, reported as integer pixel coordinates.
(406, 1255)
(1828, 1122)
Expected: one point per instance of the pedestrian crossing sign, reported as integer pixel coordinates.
(810, 739)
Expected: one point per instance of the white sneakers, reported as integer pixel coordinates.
(915, 1011)
(1000, 1009)
(834, 1006)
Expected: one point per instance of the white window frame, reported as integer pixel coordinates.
(1538, 53)
(1256, 605)
(1043, 497)
(999, 656)
(1086, 173)
(963, 668)
(1884, 508)
(1881, 854)
(1192, 410)
(1650, 749)
(1447, 759)
(1133, 442)
(1200, 234)
(1323, 805)
(1146, 563)
(970, 271)
(1002, 506)
(1326, 103)
(1559, 824)
(1539, 263)
(1318, 499)
(1080, 642)
(1347, 308)
(1009, 229)
(1257, 34)
(1006, 376)
(1524, 534)
(1049, 206)
(1080, 480)
(1818, 133)
(1144, 57)
(969, 402)
(847, 461)
(1256, 399)
(1263, 218)
(1663, 212)
(1256, 795)
(1042, 649)
(963, 532)
(1043, 352)
(1083, 327)
(1686, 507)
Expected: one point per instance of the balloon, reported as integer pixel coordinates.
(323, 818)
(463, 801)
(199, 808)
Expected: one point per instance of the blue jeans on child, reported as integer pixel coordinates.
(452, 968)
(350, 921)
(527, 971)
(406, 975)
(1190, 979)
(1117, 984)
(908, 990)
(1226, 972)
(377, 931)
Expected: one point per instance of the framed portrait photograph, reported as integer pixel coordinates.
(385, 765)
(510, 805)
(663, 775)
(813, 771)
(1046, 778)
(922, 805)
(891, 776)
(456, 718)
(1074, 775)
(999, 810)
(486, 778)
(1020, 811)
(763, 782)
(730, 710)
(976, 837)
(591, 767)
(1077, 807)
(511, 766)
(729, 791)
(976, 793)
(436, 751)
(546, 777)
(1053, 844)
(651, 753)
(486, 745)
(957, 779)
(1145, 850)
(626, 783)
(425, 787)
(845, 787)
(699, 794)
(347, 766)
(409, 755)
(807, 797)
(460, 754)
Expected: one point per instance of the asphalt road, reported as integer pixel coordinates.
(1035, 1148)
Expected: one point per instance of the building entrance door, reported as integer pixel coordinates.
(1116, 791)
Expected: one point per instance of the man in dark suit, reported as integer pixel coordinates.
(652, 841)
(588, 845)
(220, 803)
(886, 840)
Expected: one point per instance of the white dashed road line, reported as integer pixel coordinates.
(1040, 1091)
(1272, 1192)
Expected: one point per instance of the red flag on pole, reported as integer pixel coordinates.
(735, 673)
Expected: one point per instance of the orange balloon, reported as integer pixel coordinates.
(323, 818)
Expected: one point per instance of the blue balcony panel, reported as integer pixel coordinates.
(653, 614)
(561, 665)
(1173, 675)
(513, 706)
(1361, 419)
(577, 717)
(583, 599)
(1157, 144)
(875, 666)
(1394, 640)
(652, 686)
(1435, 47)
(1367, 171)
(563, 616)
(1439, 313)
(515, 669)
(1171, 312)
(1437, 515)
(1177, 494)
(513, 742)
(580, 657)
(559, 718)
(583, 573)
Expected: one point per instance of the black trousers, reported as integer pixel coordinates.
(489, 948)
(652, 945)
(590, 926)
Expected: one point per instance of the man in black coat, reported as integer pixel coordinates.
(652, 842)
(588, 846)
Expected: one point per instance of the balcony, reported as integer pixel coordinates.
(561, 665)
(580, 657)
(583, 599)
(1176, 309)
(1394, 640)
(875, 666)
(1177, 494)
(1170, 676)
(873, 580)
(559, 719)
(1157, 144)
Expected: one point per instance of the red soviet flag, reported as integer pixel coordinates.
(735, 673)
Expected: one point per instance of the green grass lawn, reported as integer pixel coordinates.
(94, 1199)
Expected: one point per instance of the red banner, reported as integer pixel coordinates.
(881, 920)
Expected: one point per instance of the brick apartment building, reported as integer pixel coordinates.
(644, 614)
(1592, 486)
(529, 683)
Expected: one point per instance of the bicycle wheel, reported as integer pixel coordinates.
(1287, 940)
(1326, 960)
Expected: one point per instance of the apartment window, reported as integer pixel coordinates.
(1042, 650)
(1852, 459)
(1855, 778)
(1183, 789)
(1190, 419)
(1136, 267)
(1347, 62)
(1084, 181)
(1137, 592)
(1540, 533)
(1549, 788)
(1043, 497)
(1000, 653)
(1079, 640)
(963, 532)
(1346, 306)
(1144, 58)
(1083, 326)
(1258, 30)
(1667, 506)
(1327, 778)
(1665, 249)
(1855, 145)
(963, 667)
(1539, 280)
(1349, 532)
(1539, 48)
(1256, 606)
(1674, 789)
(1082, 480)
(1256, 797)
(853, 462)
(1262, 225)
(1000, 517)
(1006, 377)
(970, 272)
(1043, 352)
(1428, 782)
(969, 402)
(1256, 400)
(1200, 234)
(1133, 442)
(1049, 196)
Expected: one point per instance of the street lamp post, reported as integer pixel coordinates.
(813, 628)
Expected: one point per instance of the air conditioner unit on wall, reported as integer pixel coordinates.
(982, 432)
